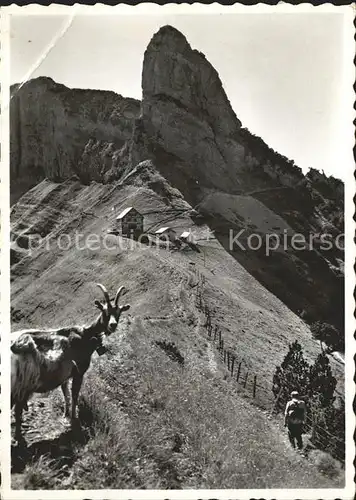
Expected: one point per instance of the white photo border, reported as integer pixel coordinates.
(148, 9)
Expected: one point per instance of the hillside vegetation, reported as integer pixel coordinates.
(154, 418)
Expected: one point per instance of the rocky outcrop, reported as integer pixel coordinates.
(102, 161)
(187, 124)
(51, 124)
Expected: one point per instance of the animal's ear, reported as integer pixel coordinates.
(99, 305)
(94, 342)
(24, 344)
(74, 339)
(125, 307)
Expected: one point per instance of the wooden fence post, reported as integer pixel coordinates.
(238, 372)
(215, 332)
(222, 345)
(225, 352)
(219, 339)
(228, 360)
(232, 365)
(245, 381)
(254, 385)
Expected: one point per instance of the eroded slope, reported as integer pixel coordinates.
(156, 420)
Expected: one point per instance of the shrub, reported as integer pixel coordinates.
(322, 383)
(171, 350)
(293, 374)
(327, 333)
(317, 383)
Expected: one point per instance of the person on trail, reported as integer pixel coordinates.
(294, 418)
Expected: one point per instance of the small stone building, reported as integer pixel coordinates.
(166, 233)
(130, 222)
(187, 236)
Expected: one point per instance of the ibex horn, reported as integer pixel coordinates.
(118, 293)
(105, 292)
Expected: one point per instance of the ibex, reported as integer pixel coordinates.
(42, 360)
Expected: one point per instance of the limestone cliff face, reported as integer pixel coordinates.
(51, 124)
(102, 161)
(186, 114)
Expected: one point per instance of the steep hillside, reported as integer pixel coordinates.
(160, 409)
(172, 420)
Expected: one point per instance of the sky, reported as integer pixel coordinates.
(284, 74)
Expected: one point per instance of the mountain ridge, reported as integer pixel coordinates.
(186, 126)
(161, 409)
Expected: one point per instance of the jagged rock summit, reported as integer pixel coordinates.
(186, 118)
(173, 69)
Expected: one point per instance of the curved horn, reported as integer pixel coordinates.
(118, 293)
(105, 292)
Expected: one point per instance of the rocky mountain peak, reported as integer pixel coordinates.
(169, 37)
(172, 70)
(187, 125)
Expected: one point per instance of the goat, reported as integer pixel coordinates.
(42, 360)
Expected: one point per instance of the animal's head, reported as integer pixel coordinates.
(109, 318)
(111, 310)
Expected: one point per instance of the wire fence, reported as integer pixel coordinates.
(239, 370)
(254, 384)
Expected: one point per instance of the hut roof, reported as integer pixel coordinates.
(164, 229)
(125, 212)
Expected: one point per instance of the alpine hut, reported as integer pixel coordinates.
(130, 222)
(166, 233)
(187, 237)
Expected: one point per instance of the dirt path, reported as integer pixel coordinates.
(46, 434)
